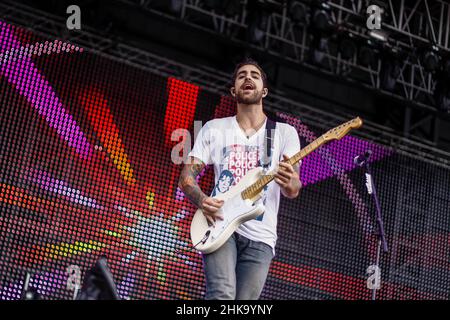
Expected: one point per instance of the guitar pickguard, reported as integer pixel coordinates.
(232, 209)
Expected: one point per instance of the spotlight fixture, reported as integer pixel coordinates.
(442, 89)
(442, 95)
(367, 54)
(431, 59)
(390, 69)
(320, 27)
(379, 35)
(297, 12)
(319, 47)
(175, 6)
(257, 25)
(321, 20)
(347, 46)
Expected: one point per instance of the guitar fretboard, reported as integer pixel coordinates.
(255, 188)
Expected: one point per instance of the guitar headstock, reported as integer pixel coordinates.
(340, 131)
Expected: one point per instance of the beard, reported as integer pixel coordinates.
(253, 98)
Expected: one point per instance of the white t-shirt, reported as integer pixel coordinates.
(222, 143)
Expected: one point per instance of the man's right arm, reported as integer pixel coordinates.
(191, 189)
(188, 184)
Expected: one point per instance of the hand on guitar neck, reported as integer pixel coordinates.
(287, 177)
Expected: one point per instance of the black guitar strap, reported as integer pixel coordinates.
(268, 141)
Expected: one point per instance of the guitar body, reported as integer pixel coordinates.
(235, 211)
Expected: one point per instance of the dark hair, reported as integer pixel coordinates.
(227, 173)
(249, 61)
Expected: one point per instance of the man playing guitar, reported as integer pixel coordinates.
(239, 268)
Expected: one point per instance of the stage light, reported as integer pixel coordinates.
(347, 46)
(431, 60)
(319, 47)
(389, 74)
(320, 26)
(442, 95)
(367, 54)
(390, 70)
(379, 35)
(321, 18)
(297, 11)
(441, 92)
(257, 26)
(175, 6)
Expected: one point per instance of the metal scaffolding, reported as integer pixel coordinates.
(212, 80)
(410, 25)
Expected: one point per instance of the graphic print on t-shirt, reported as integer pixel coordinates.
(237, 160)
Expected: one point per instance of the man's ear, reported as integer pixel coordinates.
(265, 92)
(233, 91)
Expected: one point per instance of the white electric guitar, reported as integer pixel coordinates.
(240, 201)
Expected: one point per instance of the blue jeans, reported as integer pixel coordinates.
(237, 270)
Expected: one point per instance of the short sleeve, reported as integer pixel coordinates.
(202, 148)
(291, 142)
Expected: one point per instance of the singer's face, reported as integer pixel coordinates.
(248, 86)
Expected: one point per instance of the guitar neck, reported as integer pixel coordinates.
(254, 189)
(305, 151)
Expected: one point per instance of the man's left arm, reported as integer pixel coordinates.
(287, 177)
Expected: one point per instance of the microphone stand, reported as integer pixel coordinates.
(380, 232)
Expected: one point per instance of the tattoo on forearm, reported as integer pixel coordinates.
(189, 185)
(196, 168)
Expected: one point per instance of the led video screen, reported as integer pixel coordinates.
(86, 170)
